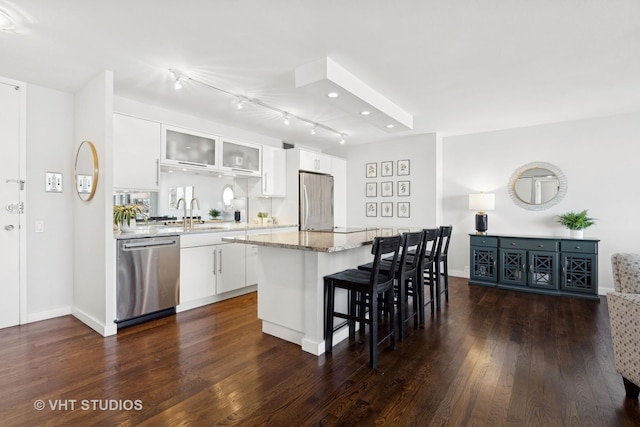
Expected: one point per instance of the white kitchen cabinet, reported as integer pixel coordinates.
(210, 267)
(136, 153)
(315, 162)
(274, 172)
(189, 149)
(240, 157)
(230, 264)
(197, 276)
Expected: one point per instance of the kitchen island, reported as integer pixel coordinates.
(291, 267)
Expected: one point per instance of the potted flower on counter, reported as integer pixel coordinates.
(124, 216)
(576, 222)
(214, 213)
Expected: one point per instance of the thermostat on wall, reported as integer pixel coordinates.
(53, 182)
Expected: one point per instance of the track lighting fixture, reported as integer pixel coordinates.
(179, 78)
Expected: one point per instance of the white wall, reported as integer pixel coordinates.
(421, 150)
(93, 242)
(49, 254)
(598, 156)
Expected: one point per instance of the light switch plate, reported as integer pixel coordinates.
(53, 182)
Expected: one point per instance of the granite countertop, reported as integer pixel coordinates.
(208, 227)
(316, 241)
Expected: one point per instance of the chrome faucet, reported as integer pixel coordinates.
(191, 217)
(184, 211)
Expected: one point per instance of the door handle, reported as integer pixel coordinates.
(215, 262)
(9, 227)
(220, 266)
(20, 182)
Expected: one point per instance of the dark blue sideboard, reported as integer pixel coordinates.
(545, 265)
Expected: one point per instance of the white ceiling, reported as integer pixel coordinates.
(458, 66)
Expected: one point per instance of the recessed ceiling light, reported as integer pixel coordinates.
(332, 94)
(390, 126)
(365, 113)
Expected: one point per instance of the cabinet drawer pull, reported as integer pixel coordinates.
(484, 241)
(577, 247)
(541, 246)
(513, 244)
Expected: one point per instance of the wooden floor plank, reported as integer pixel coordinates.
(488, 357)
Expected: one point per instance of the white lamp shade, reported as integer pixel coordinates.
(238, 204)
(482, 201)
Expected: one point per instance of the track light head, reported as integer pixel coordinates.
(286, 119)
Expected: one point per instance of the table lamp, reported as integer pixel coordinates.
(482, 202)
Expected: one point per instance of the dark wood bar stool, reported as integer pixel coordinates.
(407, 274)
(429, 248)
(365, 288)
(442, 261)
(440, 265)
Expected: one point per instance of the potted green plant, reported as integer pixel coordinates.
(576, 222)
(124, 216)
(214, 213)
(262, 216)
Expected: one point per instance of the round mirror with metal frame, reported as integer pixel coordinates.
(86, 170)
(537, 186)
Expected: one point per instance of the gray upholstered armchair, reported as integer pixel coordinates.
(624, 314)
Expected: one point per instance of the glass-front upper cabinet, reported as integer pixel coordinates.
(241, 157)
(187, 148)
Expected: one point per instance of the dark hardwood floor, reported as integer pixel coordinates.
(489, 357)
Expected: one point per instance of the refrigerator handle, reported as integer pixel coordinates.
(306, 206)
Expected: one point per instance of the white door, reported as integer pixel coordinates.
(11, 195)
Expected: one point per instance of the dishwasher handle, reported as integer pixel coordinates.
(137, 246)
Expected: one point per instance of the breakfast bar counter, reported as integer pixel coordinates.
(291, 268)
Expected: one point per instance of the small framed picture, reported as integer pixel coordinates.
(386, 189)
(372, 170)
(372, 189)
(403, 167)
(403, 209)
(404, 188)
(372, 209)
(386, 232)
(386, 168)
(386, 209)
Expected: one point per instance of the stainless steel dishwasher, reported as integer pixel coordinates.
(148, 281)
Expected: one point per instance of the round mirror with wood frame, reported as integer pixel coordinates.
(86, 170)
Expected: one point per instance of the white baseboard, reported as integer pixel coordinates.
(93, 323)
(465, 275)
(188, 305)
(49, 314)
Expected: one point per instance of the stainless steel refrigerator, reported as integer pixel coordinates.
(316, 201)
